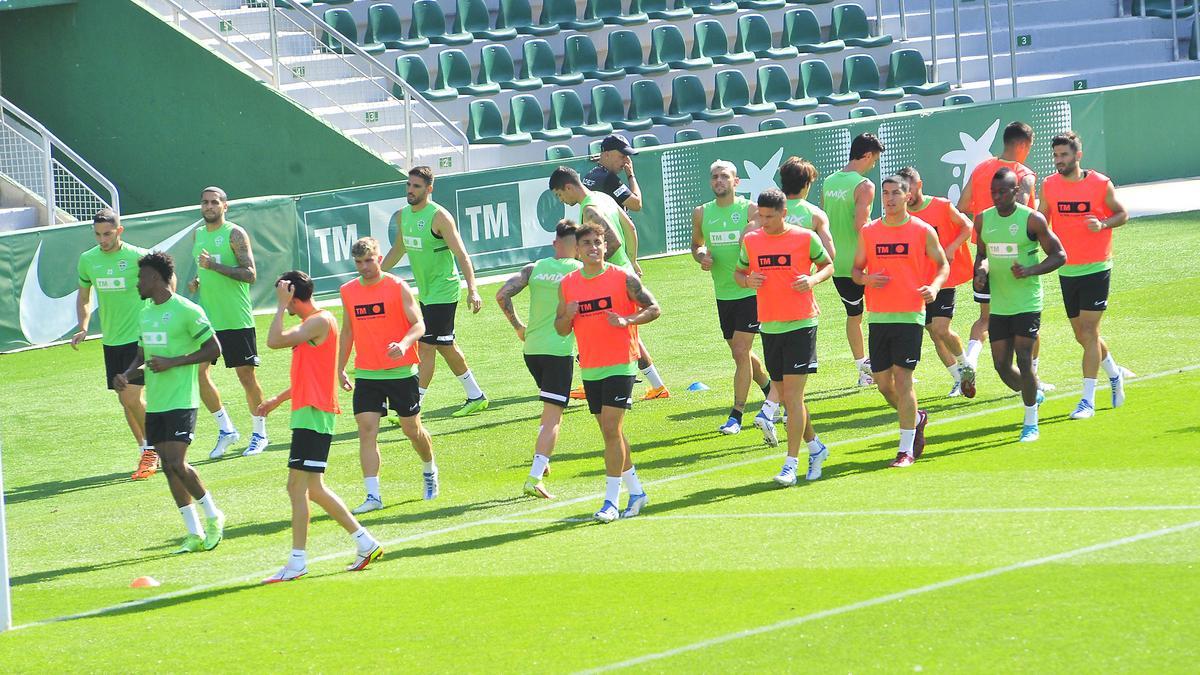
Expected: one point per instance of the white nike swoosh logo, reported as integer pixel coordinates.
(910, 360)
(45, 318)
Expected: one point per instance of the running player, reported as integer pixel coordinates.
(847, 197)
(381, 323)
(620, 237)
(428, 234)
(902, 266)
(953, 230)
(776, 260)
(796, 178)
(1082, 209)
(111, 268)
(313, 393)
(175, 338)
(717, 229)
(548, 355)
(225, 271)
(1009, 236)
(604, 304)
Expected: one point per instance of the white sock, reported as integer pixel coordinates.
(1089, 390)
(260, 425)
(612, 489)
(907, 436)
(651, 374)
(421, 395)
(955, 372)
(372, 485)
(191, 520)
(540, 462)
(223, 422)
(429, 467)
(961, 360)
(470, 385)
(298, 560)
(210, 507)
(1031, 415)
(974, 347)
(363, 540)
(631, 481)
(815, 446)
(769, 408)
(791, 461)
(864, 365)
(1110, 366)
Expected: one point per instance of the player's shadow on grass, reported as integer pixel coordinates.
(48, 575)
(435, 515)
(486, 541)
(57, 488)
(444, 412)
(712, 496)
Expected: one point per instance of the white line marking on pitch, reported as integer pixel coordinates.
(883, 599)
(547, 507)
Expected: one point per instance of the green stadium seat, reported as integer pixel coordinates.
(411, 68)
(687, 96)
(818, 83)
(817, 118)
(754, 35)
(711, 42)
(861, 75)
(625, 52)
(519, 15)
(657, 9)
(774, 87)
(563, 13)
(609, 11)
(685, 135)
(809, 2)
(730, 130)
(906, 69)
(579, 56)
(473, 17)
(454, 71)
(429, 21)
(342, 21)
(525, 117)
(708, 6)
(383, 26)
(760, 5)
(732, 91)
(559, 152)
(646, 141)
(646, 102)
(609, 107)
(802, 30)
(864, 111)
(667, 46)
(540, 63)
(772, 124)
(484, 125)
(957, 99)
(496, 65)
(850, 25)
(1161, 9)
(905, 106)
(594, 146)
(566, 112)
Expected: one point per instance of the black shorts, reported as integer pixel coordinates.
(894, 344)
(851, 294)
(1088, 293)
(400, 394)
(552, 374)
(116, 361)
(739, 316)
(171, 425)
(1001, 327)
(985, 296)
(790, 353)
(942, 305)
(439, 323)
(239, 347)
(615, 391)
(310, 450)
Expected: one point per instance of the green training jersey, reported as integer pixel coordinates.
(226, 301)
(722, 229)
(114, 276)
(800, 213)
(611, 212)
(1007, 239)
(540, 335)
(313, 419)
(175, 328)
(432, 263)
(838, 194)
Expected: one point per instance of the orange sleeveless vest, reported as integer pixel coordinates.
(600, 343)
(1070, 204)
(939, 215)
(377, 317)
(781, 258)
(899, 252)
(314, 371)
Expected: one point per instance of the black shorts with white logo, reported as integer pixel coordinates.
(615, 391)
(399, 394)
(739, 316)
(239, 347)
(985, 296)
(790, 353)
(1088, 293)
(1004, 327)
(552, 374)
(894, 344)
(310, 450)
(117, 359)
(942, 305)
(439, 323)
(178, 426)
(851, 294)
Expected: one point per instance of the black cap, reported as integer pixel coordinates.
(617, 142)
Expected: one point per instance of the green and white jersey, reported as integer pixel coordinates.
(838, 191)
(540, 335)
(226, 301)
(175, 328)
(432, 263)
(1007, 239)
(114, 276)
(722, 228)
(800, 213)
(611, 212)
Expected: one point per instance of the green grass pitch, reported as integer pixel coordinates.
(951, 565)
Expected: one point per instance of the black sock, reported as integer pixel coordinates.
(736, 414)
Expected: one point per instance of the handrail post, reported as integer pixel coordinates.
(933, 39)
(1175, 30)
(903, 23)
(409, 160)
(1012, 47)
(271, 10)
(991, 52)
(957, 44)
(48, 176)
(879, 17)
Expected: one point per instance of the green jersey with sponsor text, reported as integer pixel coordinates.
(722, 228)
(114, 276)
(432, 263)
(838, 194)
(226, 301)
(611, 212)
(1007, 239)
(175, 328)
(800, 213)
(544, 282)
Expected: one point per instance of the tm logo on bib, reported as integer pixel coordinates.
(413, 243)
(775, 261)
(724, 238)
(155, 338)
(595, 305)
(1002, 250)
(110, 283)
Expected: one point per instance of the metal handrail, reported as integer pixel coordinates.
(991, 52)
(1012, 47)
(903, 23)
(1175, 30)
(178, 9)
(933, 39)
(957, 43)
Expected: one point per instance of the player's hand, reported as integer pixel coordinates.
(475, 301)
(345, 381)
(194, 285)
(1020, 271)
(949, 258)
(284, 291)
(637, 269)
(396, 349)
(803, 283)
(706, 262)
(617, 320)
(119, 382)
(981, 279)
(77, 338)
(205, 259)
(520, 332)
(627, 167)
(160, 363)
(572, 309)
(1094, 224)
(755, 280)
(267, 406)
(876, 280)
(928, 293)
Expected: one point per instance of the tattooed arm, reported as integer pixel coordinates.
(515, 284)
(239, 241)
(641, 295)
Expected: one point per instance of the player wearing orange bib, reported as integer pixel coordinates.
(902, 266)
(604, 304)
(381, 324)
(1082, 209)
(313, 393)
